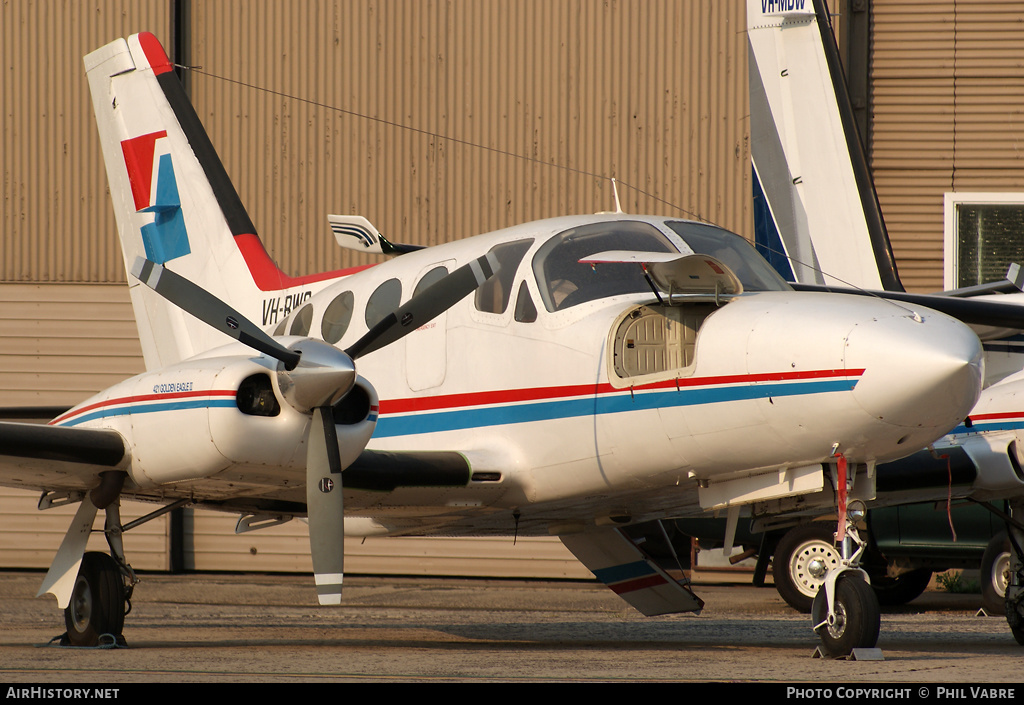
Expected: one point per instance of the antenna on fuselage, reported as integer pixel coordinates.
(615, 194)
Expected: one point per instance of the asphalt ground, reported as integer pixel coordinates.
(226, 628)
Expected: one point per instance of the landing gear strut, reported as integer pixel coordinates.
(94, 589)
(845, 612)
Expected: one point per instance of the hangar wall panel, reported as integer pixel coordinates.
(29, 538)
(948, 115)
(342, 108)
(56, 221)
(62, 343)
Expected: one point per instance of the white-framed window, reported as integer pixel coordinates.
(983, 235)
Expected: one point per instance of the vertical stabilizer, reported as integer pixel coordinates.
(814, 199)
(174, 203)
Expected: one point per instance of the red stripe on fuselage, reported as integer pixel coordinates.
(511, 396)
(991, 417)
(144, 397)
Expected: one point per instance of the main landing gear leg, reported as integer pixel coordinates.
(1015, 587)
(845, 612)
(101, 596)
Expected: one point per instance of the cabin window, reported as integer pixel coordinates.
(302, 321)
(429, 279)
(565, 282)
(337, 316)
(385, 299)
(495, 293)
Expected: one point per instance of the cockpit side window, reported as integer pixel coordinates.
(564, 282)
(495, 293)
(526, 312)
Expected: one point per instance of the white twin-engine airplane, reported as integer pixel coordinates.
(564, 377)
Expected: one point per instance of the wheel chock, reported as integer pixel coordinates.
(861, 654)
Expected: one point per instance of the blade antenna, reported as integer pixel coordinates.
(615, 195)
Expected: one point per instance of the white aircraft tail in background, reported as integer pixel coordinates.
(810, 173)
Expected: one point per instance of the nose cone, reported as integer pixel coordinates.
(921, 372)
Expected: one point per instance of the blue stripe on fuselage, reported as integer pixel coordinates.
(436, 421)
(149, 409)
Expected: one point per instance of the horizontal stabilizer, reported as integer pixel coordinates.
(354, 232)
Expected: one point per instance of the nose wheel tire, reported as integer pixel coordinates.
(857, 617)
(97, 604)
(802, 559)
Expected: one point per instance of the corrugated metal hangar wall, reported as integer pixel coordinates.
(947, 93)
(436, 120)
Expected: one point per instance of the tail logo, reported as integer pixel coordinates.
(150, 169)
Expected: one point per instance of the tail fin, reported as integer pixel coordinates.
(175, 205)
(814, 199)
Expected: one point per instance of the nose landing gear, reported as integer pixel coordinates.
(845, 612)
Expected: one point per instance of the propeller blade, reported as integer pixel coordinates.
(209, 309)
(426, 305)
(325, 506)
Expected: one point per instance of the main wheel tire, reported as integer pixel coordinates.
(995, 573)
(901, 589)
(97, 601)
(802, 559)
(858, 617)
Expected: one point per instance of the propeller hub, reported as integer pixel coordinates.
(323, 376)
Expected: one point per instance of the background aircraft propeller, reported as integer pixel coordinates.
(313, 376)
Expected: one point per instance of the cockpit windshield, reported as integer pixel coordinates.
(733, 251)
(564, 281)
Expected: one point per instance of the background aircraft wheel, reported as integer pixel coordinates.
(995, 574)
(802, 559)
(97, 602)
(901, 589)
(858, 618)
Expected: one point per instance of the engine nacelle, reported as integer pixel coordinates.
(205, 415)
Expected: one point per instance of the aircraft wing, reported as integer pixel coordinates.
(34, 456)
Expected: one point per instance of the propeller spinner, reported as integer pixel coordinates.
(313, 376)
